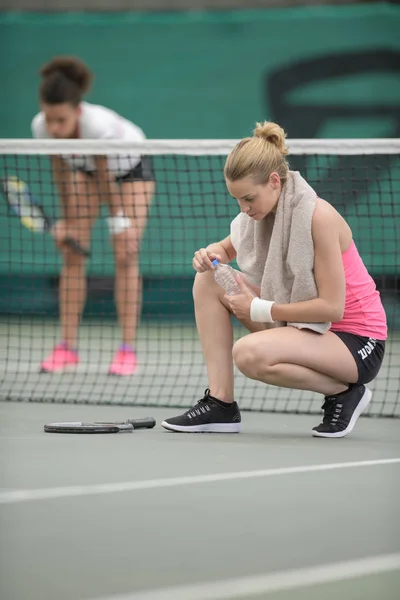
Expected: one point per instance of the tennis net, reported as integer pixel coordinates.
(190, 209)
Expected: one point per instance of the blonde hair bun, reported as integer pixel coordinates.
(272, 133)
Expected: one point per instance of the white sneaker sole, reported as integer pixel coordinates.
(208, 428)
(365, 400)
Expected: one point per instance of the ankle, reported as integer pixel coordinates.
(223, 399)
(125, 347)
(339, 390)
(69, 346)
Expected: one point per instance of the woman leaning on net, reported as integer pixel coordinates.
(315, 318)
(124, 183)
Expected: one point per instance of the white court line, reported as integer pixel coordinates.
(13, 496)
(243, 587)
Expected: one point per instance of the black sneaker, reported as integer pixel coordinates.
(342, 411)
(208, 415)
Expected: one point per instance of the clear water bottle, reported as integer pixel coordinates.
(224, 275)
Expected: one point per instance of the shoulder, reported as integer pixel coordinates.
(324, 212)
(95, 121)
(328, 226)
(38, 126)
(235, 231)
(240, 223)
(235, 223)
(325, 218)
(98, 121)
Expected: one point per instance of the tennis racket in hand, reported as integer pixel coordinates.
(100, 427)
(31, 213)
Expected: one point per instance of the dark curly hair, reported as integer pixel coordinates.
(64, 79)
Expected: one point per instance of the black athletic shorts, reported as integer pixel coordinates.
(367, 352)
(142, 172)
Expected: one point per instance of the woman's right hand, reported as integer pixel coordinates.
(202, 260)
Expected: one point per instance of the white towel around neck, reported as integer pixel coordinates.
(277, 253)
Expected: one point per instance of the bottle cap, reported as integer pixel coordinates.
(215, 262)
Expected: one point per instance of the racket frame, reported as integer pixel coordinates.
(99, 426)
(47, 223)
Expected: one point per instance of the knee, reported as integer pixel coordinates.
(246, 357)
(123, 259)
(203, 284)
(125, 251)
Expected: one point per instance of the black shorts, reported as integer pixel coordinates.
(367, 352)
(142, 172)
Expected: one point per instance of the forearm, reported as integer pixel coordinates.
(310, 311)
(110, 195)
(63, 196)
(108, 189)
(61, 184)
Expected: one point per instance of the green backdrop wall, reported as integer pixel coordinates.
(205, 75)
(319, 71)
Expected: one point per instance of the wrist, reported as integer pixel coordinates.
(260, 310)
(118, 223)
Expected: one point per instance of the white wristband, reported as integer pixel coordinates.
(118, 223)
(260, 310)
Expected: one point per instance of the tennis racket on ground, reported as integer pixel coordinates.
(30, 212)
(100, 427)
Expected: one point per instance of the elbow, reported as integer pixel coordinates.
(336, 313)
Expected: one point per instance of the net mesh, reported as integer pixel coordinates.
(190, 209)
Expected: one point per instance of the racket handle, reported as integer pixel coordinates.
(146, 423)
(76, 247)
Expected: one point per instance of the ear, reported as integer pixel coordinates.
(274, 180)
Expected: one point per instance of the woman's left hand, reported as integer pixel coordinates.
(240, 304)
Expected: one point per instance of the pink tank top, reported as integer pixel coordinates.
(363, 311)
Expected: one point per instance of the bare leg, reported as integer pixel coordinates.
(297, 359)
(128, 296)
(72, 296)
(214, 327)
(80, 211)
(135, 198)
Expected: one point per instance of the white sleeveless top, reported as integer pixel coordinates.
(98, 123)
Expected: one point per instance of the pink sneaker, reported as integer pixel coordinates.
(60, 358)
(124, 362)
